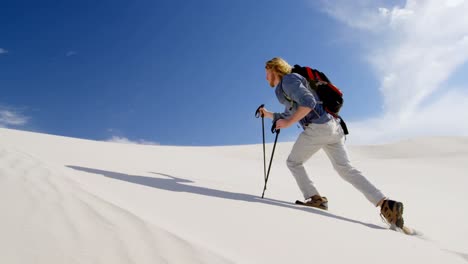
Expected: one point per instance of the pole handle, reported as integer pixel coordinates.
(257, 113)
(273, 128)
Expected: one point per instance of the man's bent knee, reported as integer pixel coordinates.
(292, 163)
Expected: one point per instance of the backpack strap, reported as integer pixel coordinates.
(287, 97)
(343, 126)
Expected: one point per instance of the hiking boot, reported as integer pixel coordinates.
(317, 201)
(392, 212)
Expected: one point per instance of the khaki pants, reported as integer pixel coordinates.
(330, 137)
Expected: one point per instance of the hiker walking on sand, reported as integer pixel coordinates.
(321, 131)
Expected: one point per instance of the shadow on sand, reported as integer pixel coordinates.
(175, 184)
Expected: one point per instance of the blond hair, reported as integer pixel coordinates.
(279, 65)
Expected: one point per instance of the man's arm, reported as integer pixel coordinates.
(298, 92)
(301, 112)
(266, 113)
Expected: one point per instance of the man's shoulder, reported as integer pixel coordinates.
(293, 76)
(293, 79)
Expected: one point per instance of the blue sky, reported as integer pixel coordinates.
(192, 72)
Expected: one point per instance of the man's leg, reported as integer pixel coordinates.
(302, 150)
(339, 157)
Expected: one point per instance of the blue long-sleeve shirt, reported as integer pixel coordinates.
(295, 87)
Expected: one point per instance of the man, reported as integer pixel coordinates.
(321, 131)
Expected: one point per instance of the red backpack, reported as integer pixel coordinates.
(329, 95)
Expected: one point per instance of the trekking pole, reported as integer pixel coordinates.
(257, 115)
(277, 131)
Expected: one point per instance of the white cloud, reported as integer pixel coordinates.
(414, 50)
(70, 53)
(445, 116)
(360, 14)
(125, 140)
(454, 3)
(3, 51)
(11, 118)
(395, 16)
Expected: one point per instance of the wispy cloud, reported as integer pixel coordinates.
(414, 50)
(125, 140)
(11, 118)
(360, 14)
(3, 51)
(71, 53)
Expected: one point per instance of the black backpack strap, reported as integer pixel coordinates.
(343, 126)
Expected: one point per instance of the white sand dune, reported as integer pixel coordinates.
(66, 200)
